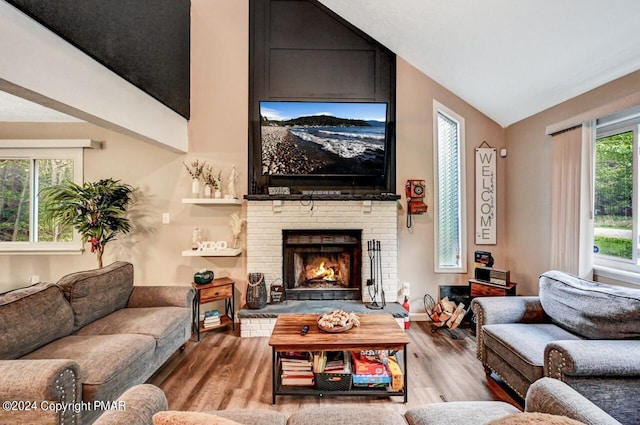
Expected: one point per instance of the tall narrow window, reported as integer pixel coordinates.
(450, 217)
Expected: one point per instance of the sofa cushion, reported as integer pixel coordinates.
(32, 317)
(252, 416)
(359, 415)
(159, 322)
(590, 309)
(172, 417)
(459, 413)
(95, 293)
(522, 344)
(108, 363)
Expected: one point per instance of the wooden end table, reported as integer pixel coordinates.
(220, 289)
(376, 332)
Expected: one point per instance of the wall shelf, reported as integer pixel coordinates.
(209, 201)
(228, 252)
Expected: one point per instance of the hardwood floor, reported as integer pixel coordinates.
(224, 371)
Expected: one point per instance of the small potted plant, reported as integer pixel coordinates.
(196, 171)
(96, 210)
(211, 181)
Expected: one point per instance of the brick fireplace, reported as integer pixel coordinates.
(270, 220)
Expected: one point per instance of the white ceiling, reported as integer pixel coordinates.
(17, 109)
(509, 59)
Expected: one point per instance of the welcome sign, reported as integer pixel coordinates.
(486, 196)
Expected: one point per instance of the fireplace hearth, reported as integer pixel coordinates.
(322, 264)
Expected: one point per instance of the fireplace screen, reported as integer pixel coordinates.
(322, 264)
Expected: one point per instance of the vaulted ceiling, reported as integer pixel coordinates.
(509, 59)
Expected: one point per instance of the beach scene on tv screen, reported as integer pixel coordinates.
(323, 138)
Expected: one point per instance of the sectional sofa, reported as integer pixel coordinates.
(87, 338)
(147, 405)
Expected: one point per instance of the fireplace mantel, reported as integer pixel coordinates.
(319, 197)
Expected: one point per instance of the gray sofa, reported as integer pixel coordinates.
(584, 333)
(87, 338)
(547, 395)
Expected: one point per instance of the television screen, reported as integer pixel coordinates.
(323, 138)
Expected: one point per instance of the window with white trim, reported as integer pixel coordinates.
(24, 171)
(616, 217)
(449, 191)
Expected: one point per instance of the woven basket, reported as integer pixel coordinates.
(333, 381)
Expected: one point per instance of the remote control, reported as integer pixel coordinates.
(304, 330)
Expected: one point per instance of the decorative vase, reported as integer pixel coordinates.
(236, 242)
(207, 191)
(195, 188)
(256, 291)
(218, 194)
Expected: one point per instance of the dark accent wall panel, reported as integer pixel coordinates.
(147, 42)
(300, 50)
(303, 25)
(330, 74)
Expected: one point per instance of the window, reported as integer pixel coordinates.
(616, 215)
(449, 191)
(23, 172)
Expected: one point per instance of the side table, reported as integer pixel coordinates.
(220, 289)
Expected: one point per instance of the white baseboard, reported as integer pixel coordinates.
(419, 317)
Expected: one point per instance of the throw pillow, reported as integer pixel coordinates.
(535, 419)
(173, 417)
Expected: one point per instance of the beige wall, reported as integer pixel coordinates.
(152, 247)
(528, 194)
(415, 93)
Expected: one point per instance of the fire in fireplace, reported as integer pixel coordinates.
(326, 270)
(322, 264)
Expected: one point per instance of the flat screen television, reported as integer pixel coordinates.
(323, 138)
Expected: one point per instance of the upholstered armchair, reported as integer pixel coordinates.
(584, 333)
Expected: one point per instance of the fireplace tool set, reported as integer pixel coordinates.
(374, 283)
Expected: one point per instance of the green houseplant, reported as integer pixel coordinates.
(95, 209)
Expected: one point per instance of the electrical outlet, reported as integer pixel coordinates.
(166, 218)
(34, 279)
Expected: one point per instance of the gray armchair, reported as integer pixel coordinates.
(583, 333)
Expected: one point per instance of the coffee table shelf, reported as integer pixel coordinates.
(376, 332)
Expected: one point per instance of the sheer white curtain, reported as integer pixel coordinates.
(572, 200)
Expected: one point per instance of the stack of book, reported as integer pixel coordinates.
(297, 368)
(211, 319)
(332, 362)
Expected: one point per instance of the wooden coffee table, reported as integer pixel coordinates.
(376, 332)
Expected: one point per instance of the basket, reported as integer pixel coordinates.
(333, 381)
